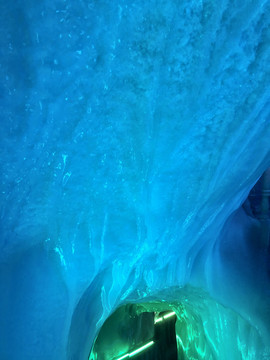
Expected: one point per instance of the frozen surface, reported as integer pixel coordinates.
(131, 132)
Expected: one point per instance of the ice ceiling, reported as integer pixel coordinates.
(131, 133)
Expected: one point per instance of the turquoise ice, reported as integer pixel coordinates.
(131, 134)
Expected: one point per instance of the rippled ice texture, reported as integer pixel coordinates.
(131, 131)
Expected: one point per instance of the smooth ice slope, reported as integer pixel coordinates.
(130, 133)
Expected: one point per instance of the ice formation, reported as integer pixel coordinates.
(131, 134)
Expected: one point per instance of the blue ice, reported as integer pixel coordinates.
(131, 134)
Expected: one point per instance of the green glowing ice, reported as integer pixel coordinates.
(205, 329)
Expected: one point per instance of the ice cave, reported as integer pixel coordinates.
(135, 180)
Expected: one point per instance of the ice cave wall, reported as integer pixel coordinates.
(130, 133)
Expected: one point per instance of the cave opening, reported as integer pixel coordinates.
(133, 333)
(195, 326)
